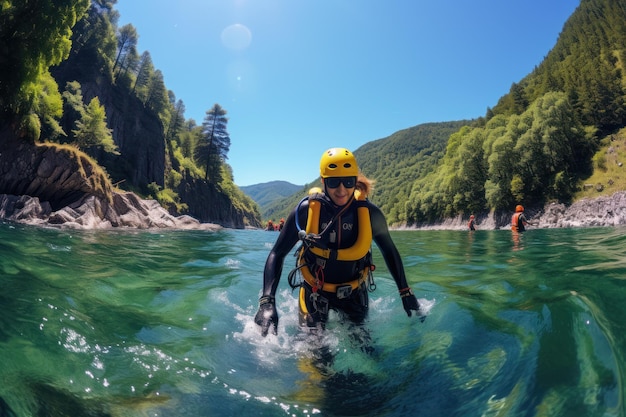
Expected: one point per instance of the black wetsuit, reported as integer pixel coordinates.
(340, 235)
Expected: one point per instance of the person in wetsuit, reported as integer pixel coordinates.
(519, 220)
(335, 256)
(471, 225)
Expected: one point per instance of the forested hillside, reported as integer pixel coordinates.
(70, 76)
(395, 162)
(537, 143)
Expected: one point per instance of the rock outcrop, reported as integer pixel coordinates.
(125, 210)
(56, 174)
(600, 211)
(51, 185)
(588, 212)
(207, 204)
(137, 131)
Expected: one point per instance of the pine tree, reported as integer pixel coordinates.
(126, 49)
(145, 71)
(215, 142)
(91, 129)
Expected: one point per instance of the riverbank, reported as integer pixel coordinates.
(589, 212)
(129, 211)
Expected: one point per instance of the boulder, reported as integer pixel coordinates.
(599, 211)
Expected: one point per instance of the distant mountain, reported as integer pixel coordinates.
(394, 162)
(268, 193)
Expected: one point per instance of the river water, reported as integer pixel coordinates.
(139, 323)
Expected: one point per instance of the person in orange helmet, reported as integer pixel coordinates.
(519, 220)
(471, 225)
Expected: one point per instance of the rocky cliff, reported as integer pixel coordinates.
(209, 205)
(55, 174)
(137, 132)
(52, 185)
(126, 210)
(600, 211)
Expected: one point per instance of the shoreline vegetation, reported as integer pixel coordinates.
(601, 211)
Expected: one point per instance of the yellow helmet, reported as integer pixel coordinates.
(338, 162)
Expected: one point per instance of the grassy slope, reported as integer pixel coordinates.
(608, 176)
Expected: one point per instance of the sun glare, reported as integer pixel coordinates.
(236, 37)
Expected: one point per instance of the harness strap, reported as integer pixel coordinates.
(330, 287)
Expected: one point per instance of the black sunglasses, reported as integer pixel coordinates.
(333, 182)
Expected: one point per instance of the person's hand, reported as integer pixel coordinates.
(409, 302)
(267, 315)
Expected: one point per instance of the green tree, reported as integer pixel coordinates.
(549, 146)
(471, 173)
(35, 35)
(215, 142)
(517, 188)
(126, 58)
(189, 137)
(145, 71)
(73, 105)
(94, 36)
(91, 130)
(176, 123)
(501, 161)
(49, 107)
(175, 157)
(157, 99)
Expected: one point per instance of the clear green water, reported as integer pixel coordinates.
(160, 324)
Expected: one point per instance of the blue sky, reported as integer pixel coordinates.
(300, 76)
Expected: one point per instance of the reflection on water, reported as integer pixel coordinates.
(160, 324)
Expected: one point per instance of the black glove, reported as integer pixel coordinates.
(409, 302)
(267, 315)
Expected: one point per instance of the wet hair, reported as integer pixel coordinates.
(364, 184)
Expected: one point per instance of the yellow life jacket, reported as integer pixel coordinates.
(356, 252)
(364, 238)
